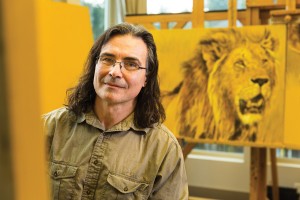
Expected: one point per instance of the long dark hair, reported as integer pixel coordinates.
(148, 110)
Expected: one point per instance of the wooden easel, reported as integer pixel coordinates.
(258, 164)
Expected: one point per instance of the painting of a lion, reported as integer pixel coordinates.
(227, 87)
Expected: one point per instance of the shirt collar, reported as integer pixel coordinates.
(124, 125)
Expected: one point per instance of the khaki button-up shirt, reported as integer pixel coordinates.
(124, 162)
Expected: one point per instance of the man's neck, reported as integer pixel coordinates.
(111, 114)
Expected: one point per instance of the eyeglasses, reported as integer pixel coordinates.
(128, 65)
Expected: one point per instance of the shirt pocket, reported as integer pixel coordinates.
(124, 188)
(62, 178)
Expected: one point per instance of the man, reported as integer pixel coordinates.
(109, 141)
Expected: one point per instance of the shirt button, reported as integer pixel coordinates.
(95, 162)
(125, 189)
(55, 173)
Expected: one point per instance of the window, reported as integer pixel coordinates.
(176, 6)
(288, 153)
(96, 9)
(219, 148)
(169, 6)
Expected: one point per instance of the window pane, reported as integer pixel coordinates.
(220, 148)
(288, 153)
(218, 5)
(219, 24)
(96, 9)
(179, 6)
(169, 6)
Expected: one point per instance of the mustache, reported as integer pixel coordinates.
(114, 82)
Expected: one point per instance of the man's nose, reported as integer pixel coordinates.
(116, 70)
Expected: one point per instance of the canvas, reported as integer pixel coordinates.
(224, 85)
(292, 89)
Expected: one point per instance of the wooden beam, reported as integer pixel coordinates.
(258, 173)
(232, 13)
(180, 25)
(164, 25)
(290, 5)
(253, 16)
(187, 149)
(275, 190)
(198, 14)
(268, 3)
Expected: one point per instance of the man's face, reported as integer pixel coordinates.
(116, 85)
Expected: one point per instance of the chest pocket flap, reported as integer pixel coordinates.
(59, 171)
(125, 185)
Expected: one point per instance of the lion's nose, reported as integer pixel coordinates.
(260, 81)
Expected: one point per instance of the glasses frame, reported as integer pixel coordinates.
(121, 64)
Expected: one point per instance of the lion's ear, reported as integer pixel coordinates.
(269, 42)
(214, 47)
(264, 38)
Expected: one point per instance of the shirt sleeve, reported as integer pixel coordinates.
(171, 180)
(48, 129)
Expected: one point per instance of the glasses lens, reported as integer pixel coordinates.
(130, 65)
(107, 61)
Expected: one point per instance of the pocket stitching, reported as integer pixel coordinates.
(60, 171)
(114, 180)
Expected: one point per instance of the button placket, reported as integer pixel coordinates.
(95, 162)
(94, 168)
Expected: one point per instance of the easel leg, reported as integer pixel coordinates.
(258, 174)
(187, 149)
(275, 191)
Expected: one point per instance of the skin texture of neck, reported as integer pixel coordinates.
(110, 114)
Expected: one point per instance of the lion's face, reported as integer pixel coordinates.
(243, 79)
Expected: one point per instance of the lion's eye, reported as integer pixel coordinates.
(264, 60)
(239, 64)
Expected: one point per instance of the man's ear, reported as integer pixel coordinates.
(145, 83)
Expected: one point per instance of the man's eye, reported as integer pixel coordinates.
(106, 60)
(130, 65)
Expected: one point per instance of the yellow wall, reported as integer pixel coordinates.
(45, 46)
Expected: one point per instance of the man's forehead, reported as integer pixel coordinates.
(125, 46)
